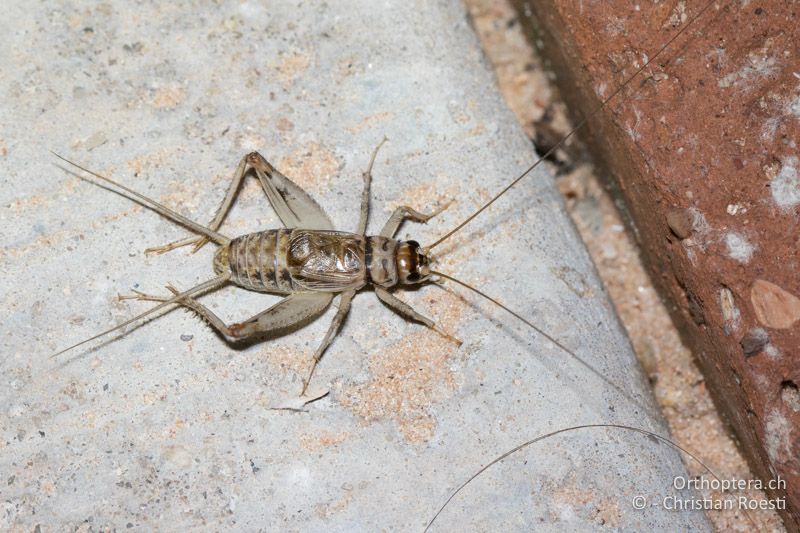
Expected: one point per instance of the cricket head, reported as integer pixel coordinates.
(413, 263)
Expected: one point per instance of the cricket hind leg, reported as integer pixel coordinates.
(344, 307)
(294, 310)
(291, 203)
(402, 308)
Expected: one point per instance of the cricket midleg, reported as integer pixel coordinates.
(361, 229)
(344, 307)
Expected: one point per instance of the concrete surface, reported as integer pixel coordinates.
(167, 426)
(704, 158)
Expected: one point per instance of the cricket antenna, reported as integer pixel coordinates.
(582, 123)
(205, 286)
(147, 202)
(546, 436)
(550, 338)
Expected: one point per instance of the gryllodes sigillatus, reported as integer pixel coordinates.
(332, 363)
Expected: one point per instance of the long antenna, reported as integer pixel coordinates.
(540, 438)
(205, 286)
(550, 338)
(582, 123)
(130, 194)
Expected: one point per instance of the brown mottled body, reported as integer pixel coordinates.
(283, 261)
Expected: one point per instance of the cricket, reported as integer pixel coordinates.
(309, 263)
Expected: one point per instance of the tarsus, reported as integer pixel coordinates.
(205, 286)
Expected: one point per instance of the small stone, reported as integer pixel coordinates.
(284, 124)
(186, 338)
(754, 341)
(790, 394)
(774, 307)
(681, 222)
(96, 139)
(178, 455)
(739, 248)
(730, 314)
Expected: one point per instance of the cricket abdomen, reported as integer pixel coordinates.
(291, 260)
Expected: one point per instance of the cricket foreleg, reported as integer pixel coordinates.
(362, 221)
(404, 212)
(219, 217)
(344, 308)
(402, 308)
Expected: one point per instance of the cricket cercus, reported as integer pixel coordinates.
(307, 261)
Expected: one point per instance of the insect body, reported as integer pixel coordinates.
(284, 261)
(307, 261)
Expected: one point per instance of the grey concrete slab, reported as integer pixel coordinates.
(168, 427)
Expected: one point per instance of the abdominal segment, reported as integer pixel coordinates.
(294, 260)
